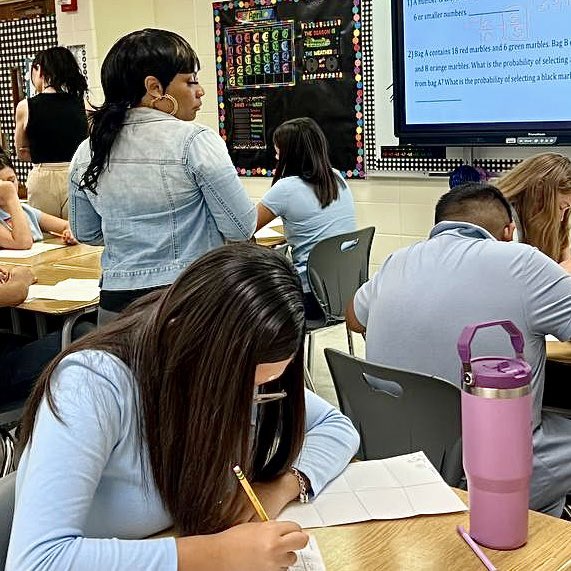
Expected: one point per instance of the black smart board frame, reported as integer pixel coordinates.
(459, 134)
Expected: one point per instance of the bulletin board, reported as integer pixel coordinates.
(281, 59)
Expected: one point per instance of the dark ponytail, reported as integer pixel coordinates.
(132, 58)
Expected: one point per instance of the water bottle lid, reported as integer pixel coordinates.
(500, 372)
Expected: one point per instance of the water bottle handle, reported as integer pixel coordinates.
(469, 331)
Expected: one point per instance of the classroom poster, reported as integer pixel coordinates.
(281, 59)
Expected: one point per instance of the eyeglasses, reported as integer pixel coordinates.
(263, 398)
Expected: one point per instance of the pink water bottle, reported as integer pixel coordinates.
(497, 440)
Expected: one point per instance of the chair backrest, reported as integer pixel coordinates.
(7, 494)
(11, 412)
(397, 412)
(337, 267)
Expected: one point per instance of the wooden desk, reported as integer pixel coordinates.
(59, 255)
(80, 261)
(275, 241)
(431, 543)
(559, 351)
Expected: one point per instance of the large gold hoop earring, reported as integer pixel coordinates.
(169, 98)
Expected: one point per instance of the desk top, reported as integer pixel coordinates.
(274, 241)
(559, 351)
(58, 255)
(432, 543)
(80, 261)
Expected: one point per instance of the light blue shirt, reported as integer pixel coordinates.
(80, 498)
(33, 215)
(305, 222)
(169, 195)
(416, 305)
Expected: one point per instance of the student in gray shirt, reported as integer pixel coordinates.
(469, 271)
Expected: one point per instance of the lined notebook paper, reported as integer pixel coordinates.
(393, 488)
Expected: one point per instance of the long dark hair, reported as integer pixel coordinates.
(132, 58)
(193, 351)
(61, 71)
(303, 152)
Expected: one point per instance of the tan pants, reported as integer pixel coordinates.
(48, 188)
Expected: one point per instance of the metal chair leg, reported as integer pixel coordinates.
(7, 465)
(350, 340)
(308, 380)
(310, 352)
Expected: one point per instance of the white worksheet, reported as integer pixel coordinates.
(37, 248)
(392, 488)
(66, 290)
(309, 558)
(267, 232)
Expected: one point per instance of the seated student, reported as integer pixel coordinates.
(539, 191)
(21, 359)
(20, 224)
(136, 428)
(468, 271)
(311, 197)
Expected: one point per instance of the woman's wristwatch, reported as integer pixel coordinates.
(304, 485)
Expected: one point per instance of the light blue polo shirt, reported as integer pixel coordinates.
(33, 215)
(416, 305)
(305, 222)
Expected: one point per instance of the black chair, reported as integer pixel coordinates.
(336, 268)
(398, 412)
(7, 492)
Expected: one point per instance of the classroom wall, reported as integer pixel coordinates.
(401, 208)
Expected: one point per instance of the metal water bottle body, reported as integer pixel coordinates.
(497, 441)
(497, 455)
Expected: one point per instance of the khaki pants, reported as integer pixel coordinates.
(48, 188)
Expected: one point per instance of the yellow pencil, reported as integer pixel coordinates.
(251, 494)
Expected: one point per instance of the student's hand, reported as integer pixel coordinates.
(267, 546)
(22, 274)
(274, 496)
(68, 237)
(4, 275)
(8, 193)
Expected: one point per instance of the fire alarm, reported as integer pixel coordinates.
(68, 5)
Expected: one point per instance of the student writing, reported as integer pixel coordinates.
(153, 411)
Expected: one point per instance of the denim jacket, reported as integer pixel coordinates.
(169, 195)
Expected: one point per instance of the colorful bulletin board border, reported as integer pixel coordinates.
(259, 11)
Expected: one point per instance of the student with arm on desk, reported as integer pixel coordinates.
(158, 189)
(469, 271)
(20, 224)
(311, 197)
(155, 409)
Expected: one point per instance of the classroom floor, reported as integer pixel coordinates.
(336, 338)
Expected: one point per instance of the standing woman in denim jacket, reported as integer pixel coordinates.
(156, 189)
